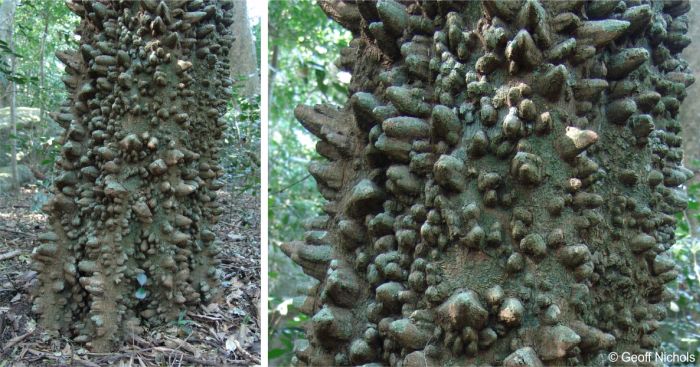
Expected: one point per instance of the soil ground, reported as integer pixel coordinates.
(220, 334)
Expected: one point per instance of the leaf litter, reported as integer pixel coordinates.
(226, 333)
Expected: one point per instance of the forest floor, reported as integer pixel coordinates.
(226, 333)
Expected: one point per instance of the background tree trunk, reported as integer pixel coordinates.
(501, 184)
(42, 84)
(13, 103)
(7, 13)
(273, 69)
(244, 61)
(690, 117)
(134, 199)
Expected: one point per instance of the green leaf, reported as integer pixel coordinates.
(320, 78)
(141, 293)
(276, 353)
(287, 341)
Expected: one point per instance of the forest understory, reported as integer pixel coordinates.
(226, 332)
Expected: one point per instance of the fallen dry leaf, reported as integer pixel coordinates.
(235, 237)
(67, 350)
(212, 308)
(231, 343)
(245, 336)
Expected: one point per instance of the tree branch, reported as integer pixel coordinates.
(347, 15)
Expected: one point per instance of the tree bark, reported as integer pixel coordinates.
(501, 184)
(13, 104)
(42, 83)
(690, 115)
(274, 59)
(244, 61)
(7, 13)
(130, 241)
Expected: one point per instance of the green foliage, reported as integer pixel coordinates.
(6, 55)
(241, 155)
(286, 321)
(240, 158)
(680, 331)
(257, 36)
(30, 20)
(683, 225)
(38, 22)
(182, 323)
(302, 49)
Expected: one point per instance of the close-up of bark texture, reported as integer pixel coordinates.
(130, 243)
(501, 185)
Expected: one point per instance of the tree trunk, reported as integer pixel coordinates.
(244, 61)
(130, 239)
(274, 59)
(501, 184)
(42, 84)
(7, 13)
(690, 115)
(13, 104)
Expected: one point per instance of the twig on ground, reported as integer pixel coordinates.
(139, 340)
(28, 234)
(9, 255)
(79, 361)
(186, 357)
(85, 362)
(248, 356)
(12, 342)
(212, 318)
(182, 344)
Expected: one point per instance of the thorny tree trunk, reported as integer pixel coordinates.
(134, 199)
(7, 13)
(244, 61)
(501, 184)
